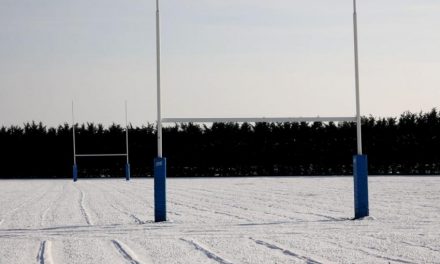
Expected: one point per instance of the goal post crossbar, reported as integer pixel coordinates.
(101, 155)
(258, 119)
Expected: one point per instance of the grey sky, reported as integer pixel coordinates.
(229, 58)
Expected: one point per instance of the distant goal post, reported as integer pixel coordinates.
(88, 155)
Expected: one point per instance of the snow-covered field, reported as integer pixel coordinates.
(219, 220)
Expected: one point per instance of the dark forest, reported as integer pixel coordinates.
(407, 145)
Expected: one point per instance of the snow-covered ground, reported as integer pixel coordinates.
(219, 220)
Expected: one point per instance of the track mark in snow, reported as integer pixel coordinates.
(125, 252)
(44, 255)
(27, 202)
(136, 219)
(286, 251)
(43, 216)
(210, 211)
(82, 207)
(124, 210)
(207, 252)
(371, 253)
(420, 246)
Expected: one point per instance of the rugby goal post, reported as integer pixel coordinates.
(85, 155)
(360, 163)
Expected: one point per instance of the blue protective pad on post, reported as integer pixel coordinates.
(75, 173)
(127, 171)
(160, 175)
(360, 173)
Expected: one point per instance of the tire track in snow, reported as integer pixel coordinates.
(225, 200)
(424, 247)
(44, 253)
(132, 216)
(242, 208)
(201, 209)
(43, 216)
(82, 207)
(287, 252)
(198, 216)
(206, 251)
(22, 205)
(129, 192)
(421, 246)
(191, 200)
(123, 209)
(125, 252)
(370, 253)
(263, 203)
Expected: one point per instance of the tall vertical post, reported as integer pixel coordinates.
(160, 161)
(356, 65)
(75, 168)
(127, 165)
(360, 162)
(158, 82)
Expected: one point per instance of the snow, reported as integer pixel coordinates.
(220, 220)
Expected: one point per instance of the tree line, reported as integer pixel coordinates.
(407, 145)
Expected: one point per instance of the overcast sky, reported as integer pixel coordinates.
(228, 58)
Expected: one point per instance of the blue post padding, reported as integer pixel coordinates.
(360, 173)
(127, 171)
(75, 173)
(160, 175)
